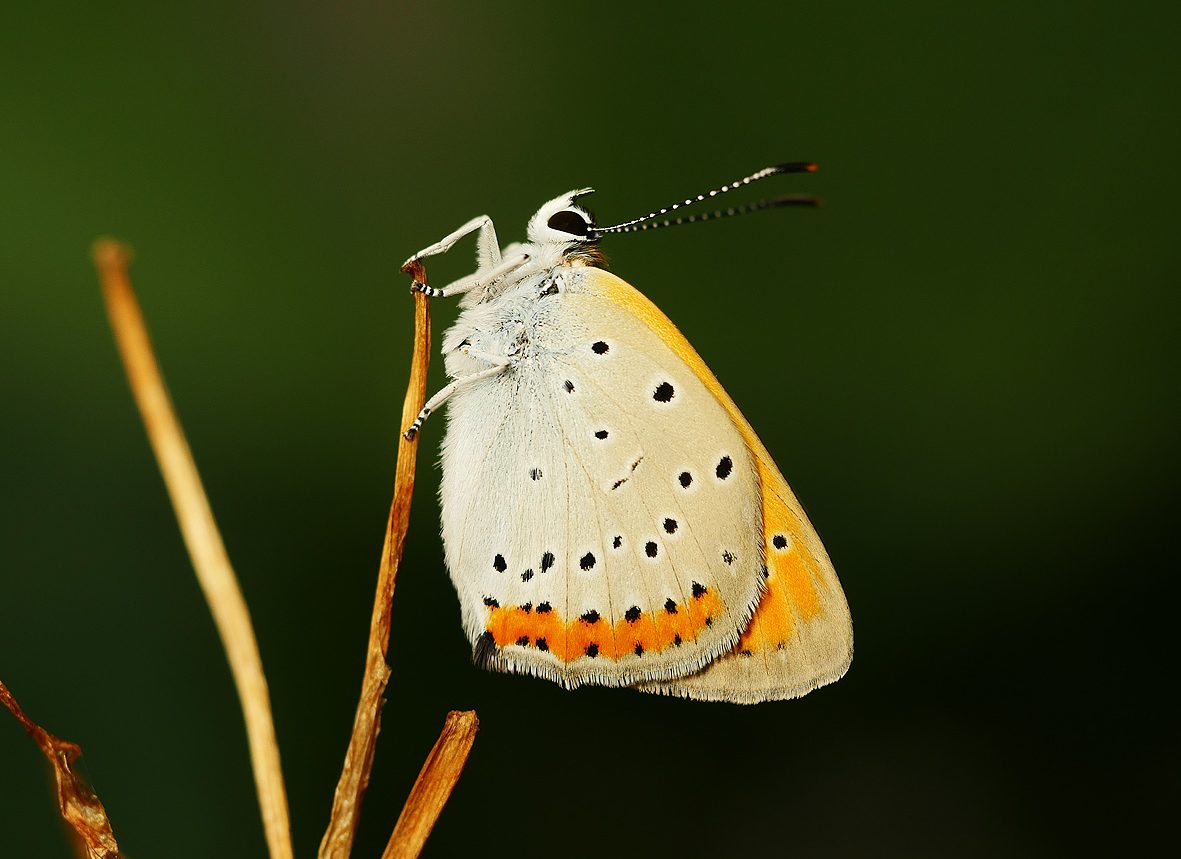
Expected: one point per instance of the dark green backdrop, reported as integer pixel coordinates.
(965, 365)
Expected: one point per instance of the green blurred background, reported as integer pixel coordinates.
(965, 365)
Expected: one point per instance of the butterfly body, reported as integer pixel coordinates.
(608, 515)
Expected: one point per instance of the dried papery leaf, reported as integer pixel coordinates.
(433, 786)
(78, 804)
(202, 538)
(354, 777)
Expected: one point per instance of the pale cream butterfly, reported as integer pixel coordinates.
(609, 516)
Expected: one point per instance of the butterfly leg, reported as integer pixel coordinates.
(486, 241)
(456, 385)
(473, 281)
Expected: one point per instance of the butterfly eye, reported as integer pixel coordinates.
(569, 221)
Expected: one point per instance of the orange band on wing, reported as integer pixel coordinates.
(591, 635)
(788, 585)
(791, 590)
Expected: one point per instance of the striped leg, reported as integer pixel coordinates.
(472, 281)
(457, 384)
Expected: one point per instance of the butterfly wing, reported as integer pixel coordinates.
(801, 636)
(602, 511)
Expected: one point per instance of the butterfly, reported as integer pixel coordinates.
(609, 516)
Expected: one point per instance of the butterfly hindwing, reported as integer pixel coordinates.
(800, 637)
(601, 510)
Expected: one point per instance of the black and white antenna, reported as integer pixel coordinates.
(647, 223)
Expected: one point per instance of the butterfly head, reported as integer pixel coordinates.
(563, 221)
(567, 230)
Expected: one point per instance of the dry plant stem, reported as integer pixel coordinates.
(354, 777)
(78, 804)
(433, 786)
(212, 565)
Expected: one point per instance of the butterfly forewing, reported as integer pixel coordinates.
(801, 635)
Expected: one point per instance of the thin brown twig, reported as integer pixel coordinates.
(433, 786)
(354, 776)
(212, 565)
(78, 804)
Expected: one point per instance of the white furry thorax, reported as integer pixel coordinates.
(509, 316)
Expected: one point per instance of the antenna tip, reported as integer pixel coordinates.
(796, 200)
(796, 167)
